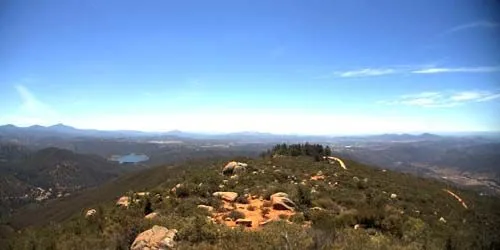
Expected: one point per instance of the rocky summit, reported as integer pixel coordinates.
(278, 201)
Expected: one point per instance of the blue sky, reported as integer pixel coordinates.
(308, 67)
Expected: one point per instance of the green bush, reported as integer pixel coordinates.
(298, 218)
(303, 197)
(198, 230)
(182, 192)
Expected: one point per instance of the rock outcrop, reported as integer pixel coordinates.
(280, 201)
(279, 194)
(227, 196)
(157, 238)
(208, 208)
(124, 201)
(234, 167)
(90, 212)
(151, 216)
(244, 222)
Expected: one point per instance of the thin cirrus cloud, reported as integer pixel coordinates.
(473, 25)
(482, 69)
(443, 99)
(374, 72)
(366, 72)
(32, 107)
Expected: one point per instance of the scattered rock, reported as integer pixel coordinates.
(263, 223)
(208, 208)
(124, 201)
(244, 222)
(442, 220)
(318, 178)
(317, 209)
(157, 237)
(90, 212)
(355, 179)
(356, 226)
(227, 196)
(394, 196)
(175, 188)
(142, 193)
(210, 219)
(151, 216)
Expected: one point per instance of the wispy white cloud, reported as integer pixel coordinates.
(29, 102)
(477, 24)
(33, 109)
(408, 69)
(443, 99)
(438, 70)
(366, 72)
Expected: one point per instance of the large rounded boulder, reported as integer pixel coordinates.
(157, 237)
(234, 167)
(227, 196)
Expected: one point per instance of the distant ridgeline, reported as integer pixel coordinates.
(315, 150)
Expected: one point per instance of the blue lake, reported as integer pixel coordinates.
(130, 158)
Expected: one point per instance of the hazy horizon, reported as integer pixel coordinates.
(443, 133)
(299, 67)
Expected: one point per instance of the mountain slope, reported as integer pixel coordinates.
(28, 176)
(389, 209)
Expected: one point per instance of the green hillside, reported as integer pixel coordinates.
(34, 177)
(355, 208)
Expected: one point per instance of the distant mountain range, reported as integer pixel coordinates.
(60, 130)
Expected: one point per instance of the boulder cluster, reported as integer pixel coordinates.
(255, 211)
(156, 238)
(234, 167)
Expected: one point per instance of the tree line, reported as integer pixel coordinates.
(315, 150)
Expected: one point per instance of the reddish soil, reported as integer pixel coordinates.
(255, 216)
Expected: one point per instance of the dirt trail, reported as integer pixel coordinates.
(457, 197)
(338, 160)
